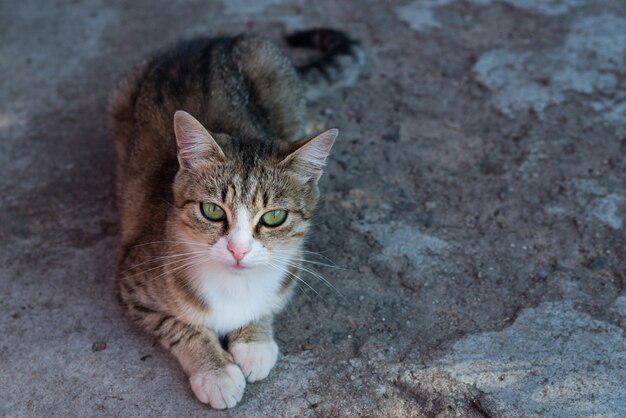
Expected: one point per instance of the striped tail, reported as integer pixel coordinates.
(339, 66)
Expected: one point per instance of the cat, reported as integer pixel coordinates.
(216, 189)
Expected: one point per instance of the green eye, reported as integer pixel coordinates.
(212, 212)
(274, 217)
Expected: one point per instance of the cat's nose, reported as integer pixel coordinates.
(237, 250)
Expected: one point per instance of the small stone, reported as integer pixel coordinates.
(597, 263)
(543, 272)
(355, 362)
(98, 346)
(381, 390)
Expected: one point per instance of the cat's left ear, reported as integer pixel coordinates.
(308, 160)
(194, 141)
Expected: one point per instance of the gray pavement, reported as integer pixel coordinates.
(475, 204)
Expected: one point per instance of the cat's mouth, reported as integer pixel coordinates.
(239, 266)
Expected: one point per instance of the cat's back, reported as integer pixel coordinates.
(242, 86)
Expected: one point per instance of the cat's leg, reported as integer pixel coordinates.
(274, 83)
(254, 349)
(213, 376)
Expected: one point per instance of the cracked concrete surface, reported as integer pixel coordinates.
(475, 204)
(589, 61)
(553, 361)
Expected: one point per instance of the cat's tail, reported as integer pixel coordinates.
(339, 66)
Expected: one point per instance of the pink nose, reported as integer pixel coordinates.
(238, 251)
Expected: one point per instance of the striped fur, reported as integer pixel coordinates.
(242, 150)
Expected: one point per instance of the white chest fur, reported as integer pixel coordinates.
(236, 298)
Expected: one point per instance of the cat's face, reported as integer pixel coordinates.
(244, 207)
(248, 218)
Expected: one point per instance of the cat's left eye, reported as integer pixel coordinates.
(274, 217)
(212, 212)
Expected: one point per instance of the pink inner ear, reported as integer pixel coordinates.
(193, 140)
(308, 160)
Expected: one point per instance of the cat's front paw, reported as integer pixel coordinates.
(221, 388)
(255, 359)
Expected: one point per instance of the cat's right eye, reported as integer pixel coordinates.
(212, 212)
(274, 218)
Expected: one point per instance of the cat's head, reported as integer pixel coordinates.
(245, 205)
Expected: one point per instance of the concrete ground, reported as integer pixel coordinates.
(475, 203)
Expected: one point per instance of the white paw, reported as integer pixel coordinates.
(255, 359)
(221, 388)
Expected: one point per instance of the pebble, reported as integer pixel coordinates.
(98, 346)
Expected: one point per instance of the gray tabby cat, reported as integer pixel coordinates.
(214, 207)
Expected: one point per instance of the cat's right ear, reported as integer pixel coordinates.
(194, 142)
(307, 161)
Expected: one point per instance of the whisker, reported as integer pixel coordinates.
(306, 252)
(314, 274)
(162, 266)
(164, 257)
(323, 279)
(189, 263)
(172, 242)
(295, 276)
(155, 259)
(317, 263)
